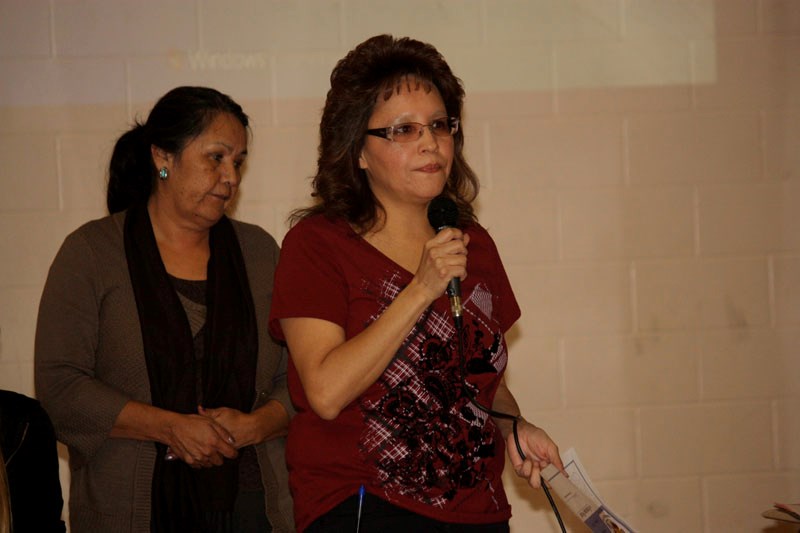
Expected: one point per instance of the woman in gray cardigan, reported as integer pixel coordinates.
(152, 353)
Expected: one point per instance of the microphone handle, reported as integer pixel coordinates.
(454, 293)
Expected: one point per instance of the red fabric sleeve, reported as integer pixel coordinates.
(508, 308)
(308, 280)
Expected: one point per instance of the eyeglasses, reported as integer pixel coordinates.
(411, 131)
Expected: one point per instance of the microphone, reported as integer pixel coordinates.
(443, 213)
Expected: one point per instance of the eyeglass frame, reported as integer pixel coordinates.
(388, 132)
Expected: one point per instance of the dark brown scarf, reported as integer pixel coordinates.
(181, 495)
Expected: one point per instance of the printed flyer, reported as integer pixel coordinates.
(581, 496)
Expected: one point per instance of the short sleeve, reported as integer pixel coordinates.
(309, 281)
(505, 303)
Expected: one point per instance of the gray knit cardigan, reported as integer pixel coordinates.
(89, 362)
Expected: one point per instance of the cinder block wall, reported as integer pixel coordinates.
(640, 162)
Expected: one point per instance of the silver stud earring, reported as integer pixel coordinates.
(163, 173)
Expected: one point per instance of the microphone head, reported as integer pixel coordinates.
(442, 213)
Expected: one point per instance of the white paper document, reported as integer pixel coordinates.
(581, 497)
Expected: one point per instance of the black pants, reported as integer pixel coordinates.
(379, 516)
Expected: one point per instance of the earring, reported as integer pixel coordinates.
(163, 173)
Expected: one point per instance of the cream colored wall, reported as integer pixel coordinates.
(640, 162)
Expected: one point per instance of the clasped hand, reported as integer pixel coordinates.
(205, 439)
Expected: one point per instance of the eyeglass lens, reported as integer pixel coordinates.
(411, 131)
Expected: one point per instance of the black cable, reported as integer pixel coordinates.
(497, 414)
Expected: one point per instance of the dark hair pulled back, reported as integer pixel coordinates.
(178, 117)
(377, 68)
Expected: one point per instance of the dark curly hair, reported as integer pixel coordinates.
(378, 67)
(177, 118)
